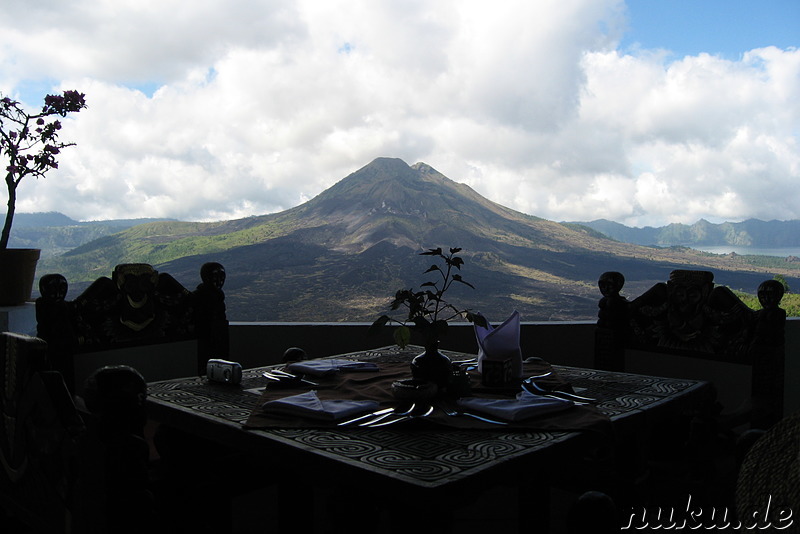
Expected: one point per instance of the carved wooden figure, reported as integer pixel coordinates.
(210, 315)
(689, 316)
(137, 305)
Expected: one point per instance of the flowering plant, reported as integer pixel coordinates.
(29, 142)
(428, 312)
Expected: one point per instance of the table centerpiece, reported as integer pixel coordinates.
(428, 314)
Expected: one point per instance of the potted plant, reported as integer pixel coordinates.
(29, 145)
(428, 314)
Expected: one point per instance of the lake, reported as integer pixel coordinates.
(727, 249)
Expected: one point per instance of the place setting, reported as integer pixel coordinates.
(494, 390)
(344, 394)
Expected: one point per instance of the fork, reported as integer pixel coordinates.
(452, 412)
(410, 415)
(403, 410)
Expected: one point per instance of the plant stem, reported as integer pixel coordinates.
(12, 201)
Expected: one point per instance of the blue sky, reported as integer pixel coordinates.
(720, 27)
(642, 112)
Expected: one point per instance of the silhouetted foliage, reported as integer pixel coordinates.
(427, 310)
(29, 142)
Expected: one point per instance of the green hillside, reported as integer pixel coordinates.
(341, 255)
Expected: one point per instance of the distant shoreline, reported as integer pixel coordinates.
(751, 251)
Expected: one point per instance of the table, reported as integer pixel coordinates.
(424, 462)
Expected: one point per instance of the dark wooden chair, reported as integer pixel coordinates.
(40, 433)
(114, 318)
(768, 484)
(72, 465)
(688, 327)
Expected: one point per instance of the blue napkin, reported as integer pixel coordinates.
(325, 367)
(524, 406)
(309, 405)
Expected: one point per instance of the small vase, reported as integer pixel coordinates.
(432, 366)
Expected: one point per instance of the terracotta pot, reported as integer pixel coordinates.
(17, 272)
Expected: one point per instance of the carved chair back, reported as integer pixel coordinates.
(38, 436)
(68, 468)
(690, 319)
(136, 307)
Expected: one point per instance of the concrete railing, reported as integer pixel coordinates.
(564, 343)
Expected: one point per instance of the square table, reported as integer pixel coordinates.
(422, 463)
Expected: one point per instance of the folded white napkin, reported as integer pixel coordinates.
(309, 405)
(524, 406)
(329, 366)
(500, 343)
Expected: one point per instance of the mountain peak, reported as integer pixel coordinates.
(424, 168)
(384, 187)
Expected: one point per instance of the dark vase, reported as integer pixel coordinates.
(17, 273)
(432, 366)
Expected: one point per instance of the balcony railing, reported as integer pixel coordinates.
(559, 342)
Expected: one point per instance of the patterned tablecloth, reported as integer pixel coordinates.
(420, 456)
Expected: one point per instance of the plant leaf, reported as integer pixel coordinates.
(402, 336)
(432, 268)
(457, 278)
(432, 252)
(421, 322)
(478, 319)
(376, 326)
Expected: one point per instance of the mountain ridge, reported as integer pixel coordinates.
(748, 233)
(342, 255)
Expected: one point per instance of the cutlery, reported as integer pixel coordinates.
(284, 381)
(532, 387)
(366, 416)
(403, 409)
(294, 377)
(410, 415)
(450, 412)
(575, 402)
(548, 373)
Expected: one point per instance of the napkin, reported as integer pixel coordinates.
(325, 367)
(309, 405)
(500, 343)
(524, 406)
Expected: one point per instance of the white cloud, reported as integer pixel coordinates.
(260, 105)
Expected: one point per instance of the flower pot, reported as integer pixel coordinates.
(432, 366)
(17, 272)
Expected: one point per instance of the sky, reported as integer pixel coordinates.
(643, 112)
